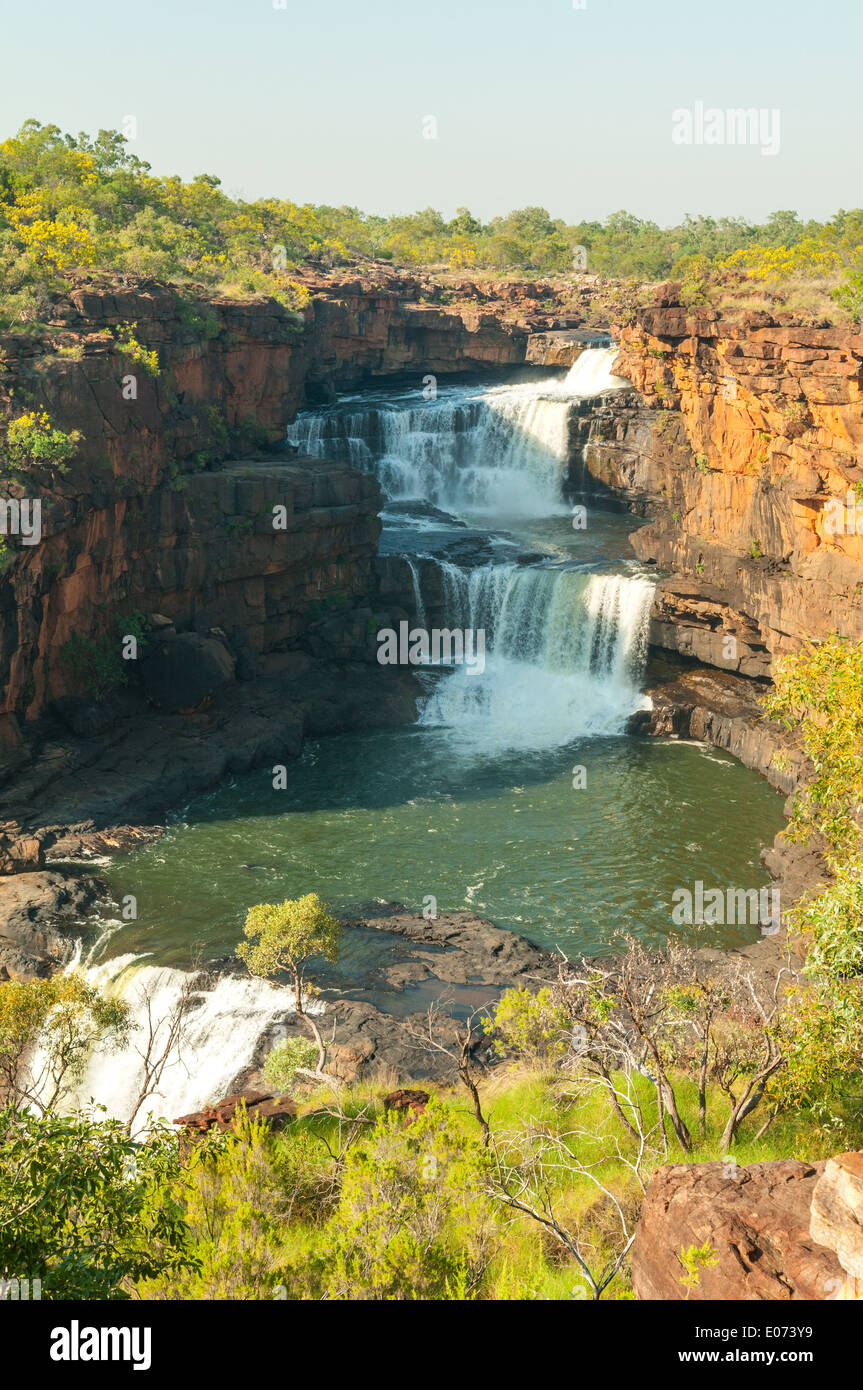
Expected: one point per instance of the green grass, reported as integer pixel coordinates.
(293, 1194)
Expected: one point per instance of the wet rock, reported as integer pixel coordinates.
(41, 915)
(87, 797)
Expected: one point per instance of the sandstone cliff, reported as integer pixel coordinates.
(742, 444)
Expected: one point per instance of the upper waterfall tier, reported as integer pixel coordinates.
(502, 450)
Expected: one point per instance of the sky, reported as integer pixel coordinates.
(564, 104)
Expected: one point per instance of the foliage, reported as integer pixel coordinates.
(412, 1222)
(280, 1067)
(286, 935)
(33, 441)
(694, 1258)
(128, 344)
(695, 276)
(821, 1035)
(96, 664)
(232, 1200)
(48, 1029)
(819, 693)
(85, 1209)
(532, 1023)
(70, 201)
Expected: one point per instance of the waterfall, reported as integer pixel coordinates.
(501, 451)
(565, 657)
(418, 597)
(226, 1020)
(590, 374)
(565, 650)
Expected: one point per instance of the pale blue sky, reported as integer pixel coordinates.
(536, 102)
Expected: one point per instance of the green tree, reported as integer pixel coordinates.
(48, 1030)
(84, 1209)
(284, 938)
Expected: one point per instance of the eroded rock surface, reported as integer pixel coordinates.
(755, 1220)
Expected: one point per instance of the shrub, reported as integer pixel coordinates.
(412, 1221)
(280, 1067)
(85, 1208)
(819, 693)
(33, 441)
(535, 1025)
(96, 666)
(128, 344)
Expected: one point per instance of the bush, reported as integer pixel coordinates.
(128, 344)
(33, 441)
(85, 1209)
(411, 1223)
(280, 1067)
(819, 693)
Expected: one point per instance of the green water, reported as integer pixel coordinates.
(476, 807)
(399, 815)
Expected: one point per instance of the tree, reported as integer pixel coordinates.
(48, 1029)
(286, 937)
(163, 1041)
(532, 1171)
(86, 1210)
(442, 1035)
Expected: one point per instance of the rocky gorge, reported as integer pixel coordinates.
(734, 440)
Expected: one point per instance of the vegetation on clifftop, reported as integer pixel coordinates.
(71, 203)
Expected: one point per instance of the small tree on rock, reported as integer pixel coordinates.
(286, 937)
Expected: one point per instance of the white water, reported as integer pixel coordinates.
(498, 451)
(590, 374)
(225, 1024)
(565, 655)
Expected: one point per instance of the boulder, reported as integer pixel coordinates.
(754, 1218)
(413, 1102)
(836, 1217)
(277, 1109)
(86, 718)
(19, 853)
(182, 673)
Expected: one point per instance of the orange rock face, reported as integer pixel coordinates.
(148, 518)
(746, 449)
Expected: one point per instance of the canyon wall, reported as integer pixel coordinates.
(743, 441)
(168, 504)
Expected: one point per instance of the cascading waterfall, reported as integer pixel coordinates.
(500, 451)
(565, 650)
(565, 655)
(225, 1022)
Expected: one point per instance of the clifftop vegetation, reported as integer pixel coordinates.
(72, 202)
